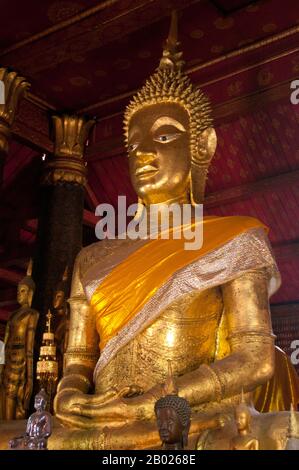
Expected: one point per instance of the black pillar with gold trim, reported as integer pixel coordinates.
(59, 237)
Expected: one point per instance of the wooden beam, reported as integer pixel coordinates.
(91, 198)
(7, 303)
(285, 309)
(32, 125)
(106, 22)
(89, 218)
(10, 276)
(231, 195)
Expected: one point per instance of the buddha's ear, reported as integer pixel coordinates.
(206, 148)
(207, 144)
(185, 435)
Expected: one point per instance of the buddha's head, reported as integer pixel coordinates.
(173, 415)
(26, 288)
(60, 293)
(169, 133)
(242, 417)
(41, 400)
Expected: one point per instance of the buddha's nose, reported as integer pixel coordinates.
(145, 157)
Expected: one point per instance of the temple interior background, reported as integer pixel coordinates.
(88, 58)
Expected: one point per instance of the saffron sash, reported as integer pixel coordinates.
(129, 286)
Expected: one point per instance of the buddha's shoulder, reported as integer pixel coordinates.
(99, 251)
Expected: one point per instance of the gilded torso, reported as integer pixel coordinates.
(15, 347)
(185, 333)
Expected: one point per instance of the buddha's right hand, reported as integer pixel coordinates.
(67, 400)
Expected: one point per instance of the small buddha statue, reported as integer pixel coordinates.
(292, 441)
(244, 439)
(173, 415)
(173, 419)
(17, 374)
(61, 319)
(38, 429)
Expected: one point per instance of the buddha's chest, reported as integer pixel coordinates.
(18, 328)
(185, 333)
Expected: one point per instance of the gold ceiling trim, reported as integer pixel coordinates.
(245, 49)
(59, 26)
(193, 69)
(250, 67)
(45, 105)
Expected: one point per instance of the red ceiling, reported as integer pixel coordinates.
(20, 20)
(87, 73)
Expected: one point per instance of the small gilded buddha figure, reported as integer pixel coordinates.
(17, 374)
(38, 429)
(244, 440)
(61, 319)
(137, 303)
(292, 441)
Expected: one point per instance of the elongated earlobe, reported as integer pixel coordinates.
(200, 163)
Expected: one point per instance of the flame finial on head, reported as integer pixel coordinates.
(29, 268)
(66, 273)
(27, 280)
(171, 59)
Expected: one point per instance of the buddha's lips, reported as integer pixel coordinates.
(146, 170)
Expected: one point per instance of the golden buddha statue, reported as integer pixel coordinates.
(17, 374)
(61, 319)
(244, 440)
(135, 304)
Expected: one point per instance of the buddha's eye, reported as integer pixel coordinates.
(132, 147)
(165, 138)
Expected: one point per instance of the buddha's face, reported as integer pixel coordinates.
(58, 300)
(24, 295)
(159, 153)
(169, 426)
(242, 419)
(39, 403)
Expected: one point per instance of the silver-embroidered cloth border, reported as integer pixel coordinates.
(249, 250)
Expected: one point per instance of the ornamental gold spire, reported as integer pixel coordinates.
(13, 87)
(65, 274)
(171, 58)
(47, 365)
(67, 165)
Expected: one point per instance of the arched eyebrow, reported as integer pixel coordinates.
(167, 121)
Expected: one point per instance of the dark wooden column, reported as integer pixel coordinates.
(14, 88)
(59, 236)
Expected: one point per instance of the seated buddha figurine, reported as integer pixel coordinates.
(38, 429)
(244, 440)
(135, 304)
